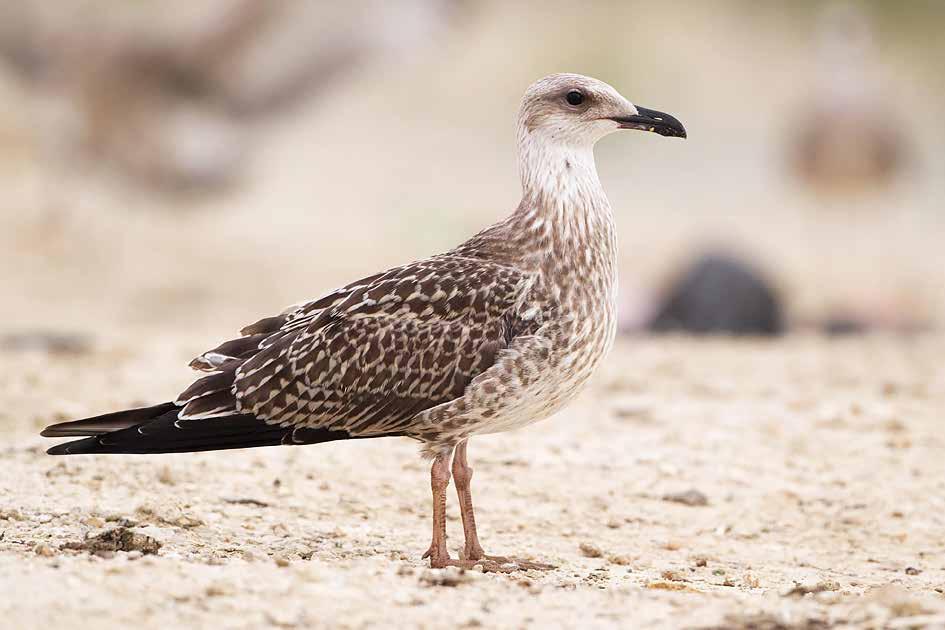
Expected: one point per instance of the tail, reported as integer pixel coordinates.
(158, 429)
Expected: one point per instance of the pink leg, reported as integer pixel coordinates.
(462, 473)
(473, 553)
(439, 480)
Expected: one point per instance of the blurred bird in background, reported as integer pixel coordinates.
(848, 141)
(169, 95)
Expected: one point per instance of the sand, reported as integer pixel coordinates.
(721, 483)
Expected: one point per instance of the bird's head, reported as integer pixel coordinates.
(574, 110)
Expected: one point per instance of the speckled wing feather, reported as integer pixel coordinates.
(370, 356)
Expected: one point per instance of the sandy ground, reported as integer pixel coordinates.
(821, 463)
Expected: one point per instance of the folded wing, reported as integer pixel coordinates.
(368, 357)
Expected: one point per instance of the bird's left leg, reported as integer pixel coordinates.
(472, 552)
(439, 480)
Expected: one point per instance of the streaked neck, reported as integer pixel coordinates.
(561, 193)
(563, 224)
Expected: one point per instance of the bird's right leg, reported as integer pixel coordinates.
(462, 473)
(473, 553)
(439, 481)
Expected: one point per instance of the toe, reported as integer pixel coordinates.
(502, 564)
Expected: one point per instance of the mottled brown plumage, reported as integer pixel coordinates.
(495, 334)
(368, 358)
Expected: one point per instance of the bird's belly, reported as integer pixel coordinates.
(530, 384)
(534, 405)
(565, 374)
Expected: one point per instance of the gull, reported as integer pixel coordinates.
(845, 144)
(496, 334)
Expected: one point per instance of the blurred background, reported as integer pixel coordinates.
(194, 166)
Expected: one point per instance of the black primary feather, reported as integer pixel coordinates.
(108, 422)
(158, 429)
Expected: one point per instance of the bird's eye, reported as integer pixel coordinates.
(574, 98)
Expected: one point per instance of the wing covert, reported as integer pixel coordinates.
(370, 356)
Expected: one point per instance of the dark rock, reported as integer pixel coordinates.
(720, 294)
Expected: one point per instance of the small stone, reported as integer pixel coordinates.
(589, 550)
(450, 576)
(690, 497)
(628, 410)
(118, 539)
(913, 571)
(216, 590)
(186, 521)
(42, 549)
(801, 590)
(11, 515)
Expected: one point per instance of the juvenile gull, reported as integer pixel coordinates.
(844, 142)
(495, 334)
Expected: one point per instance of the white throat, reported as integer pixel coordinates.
(561, 191)
(557, 171)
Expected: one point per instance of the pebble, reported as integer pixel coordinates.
(450, 576)
(690, 497)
